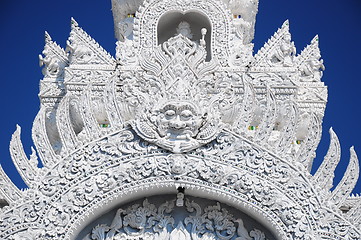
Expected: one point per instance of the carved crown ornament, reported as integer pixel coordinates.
(184, 109)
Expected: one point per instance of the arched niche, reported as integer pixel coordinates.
(169, 22)
(146, 24)
(160, 213)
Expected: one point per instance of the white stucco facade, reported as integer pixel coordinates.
(184, 134)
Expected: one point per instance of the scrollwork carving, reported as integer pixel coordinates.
(147, 221)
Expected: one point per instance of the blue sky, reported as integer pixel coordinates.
(23, 22)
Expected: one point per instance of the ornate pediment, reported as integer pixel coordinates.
(185, 109)
(279, 50)
(177, 108)
(83, 50)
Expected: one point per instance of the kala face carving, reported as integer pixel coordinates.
(178, 121)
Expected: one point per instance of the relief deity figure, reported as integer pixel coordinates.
(178, 113)
(184, 29)
(242, 29)
(284, 54)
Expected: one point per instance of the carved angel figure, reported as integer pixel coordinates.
(285, 52)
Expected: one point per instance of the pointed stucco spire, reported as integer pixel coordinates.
(315, 39)
(286, 24)
(73, 23)
(47, 37)
(311, 50)
(309, 62)
(278, 51)
(53, 58)
(84, 49)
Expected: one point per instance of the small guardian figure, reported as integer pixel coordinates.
(184, 29)
(312, 69)
(52, 66)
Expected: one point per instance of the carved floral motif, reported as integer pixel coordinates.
(151, 222)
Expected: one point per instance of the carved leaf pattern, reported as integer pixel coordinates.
(66, 132)
(41, 139)
(325, 173)
(347, 183)
(28, 169)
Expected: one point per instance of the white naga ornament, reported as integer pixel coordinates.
(184, 109)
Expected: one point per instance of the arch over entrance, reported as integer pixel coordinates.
(130, 194)
(174, 217)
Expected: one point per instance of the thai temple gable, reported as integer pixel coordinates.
(278, 51)
(310, 60)
(85, 50)
(54, 60)
(184, 134)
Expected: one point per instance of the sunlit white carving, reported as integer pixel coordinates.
(205, 114)
(151, 222)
